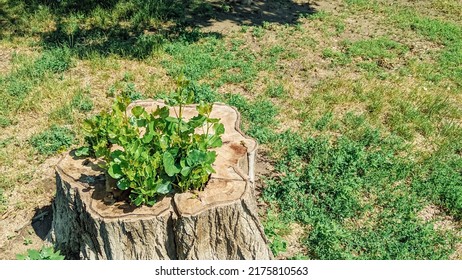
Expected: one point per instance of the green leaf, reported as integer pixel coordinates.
(21, 257)
(139, 200)
(204, 108)
(210, 157)
(148, 137)
(164, 188)
(219, 128)
(163, 142)
(116, 155)
(151, 202)
(138, 111)
(209, 169)
(87, 126)
(169, 164)
(172, 120)
(185, 171)
(141, 123)
(163, 112)
(215, 141)
(34, 254)
(195, 157)
(57, 256)
(197, 121)
(123, 184)
(82, 151)
(115, 171)
(213, 120)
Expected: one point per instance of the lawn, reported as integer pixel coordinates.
(356, 105)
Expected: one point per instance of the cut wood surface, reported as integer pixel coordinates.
(220, 222)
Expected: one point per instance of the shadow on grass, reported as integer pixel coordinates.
(255, 14)
(122, 41)
(137, 28)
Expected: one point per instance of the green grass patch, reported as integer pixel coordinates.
(276, 90)
(274, 230)
(66, 113)
(441, 31)
(356, 197)
(53, 140)
(27, 74)
(337, 58)
(441, 181)
(81, 101)
(210, 59)
(379, 48)
(3, 201)
(258, 116)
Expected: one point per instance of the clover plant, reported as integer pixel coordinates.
(154, 154)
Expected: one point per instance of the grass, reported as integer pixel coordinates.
(359, 198)
(3, 202)
(17, 86)
(362, 127)
(441, 31)
(53, 140)
(258, 117)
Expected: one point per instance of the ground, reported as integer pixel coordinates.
(371, 88)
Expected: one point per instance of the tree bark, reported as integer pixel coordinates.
(220, 222)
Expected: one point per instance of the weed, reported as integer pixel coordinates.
(131, 92)
(437, 30)
(324, 184)
(258, 31)
(324, 121)
(203, 92)
(17, 85)
(63, 114)
(45, 253)
(4, 122)
(317, 16)
(81, 101)
(339, 27)
(276, 90)
(56, 60)
(380, 48)
(147, 44)
(210, 59)
(258, 116)
(18, 88)
(3, 201)
(27, 241)
(274, 229)
(441, 181)
(53, 140)
(337, 58)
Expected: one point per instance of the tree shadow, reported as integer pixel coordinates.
(41, 221)
(137, 28)
(119, 40)
(255, 14)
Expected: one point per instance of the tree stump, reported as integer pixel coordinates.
(220, 222)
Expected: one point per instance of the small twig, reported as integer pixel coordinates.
(40, 216)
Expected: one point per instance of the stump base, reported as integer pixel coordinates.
(220, 222)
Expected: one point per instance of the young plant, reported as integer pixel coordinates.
(168, 156)
(46, 253)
